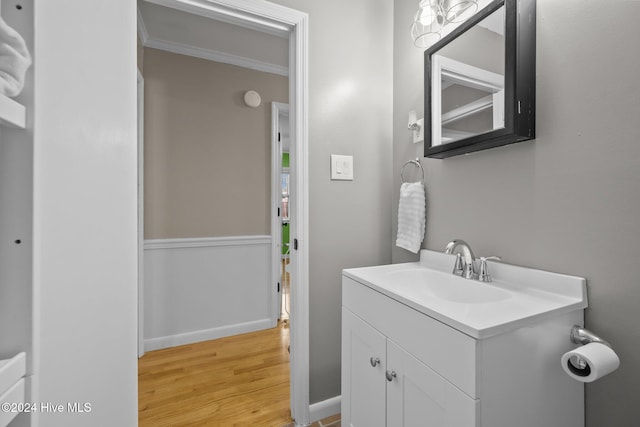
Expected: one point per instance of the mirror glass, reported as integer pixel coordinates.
(480, 82)
(467, 85)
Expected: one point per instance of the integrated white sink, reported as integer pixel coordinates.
(516, 297)
(428, 283)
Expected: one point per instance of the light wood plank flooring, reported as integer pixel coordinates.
(236, 381)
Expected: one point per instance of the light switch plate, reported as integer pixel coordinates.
(341, 167)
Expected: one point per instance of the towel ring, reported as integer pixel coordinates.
(415, 162)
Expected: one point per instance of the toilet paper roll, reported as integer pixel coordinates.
(597, 359)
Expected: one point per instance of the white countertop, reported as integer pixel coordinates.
(517, 296)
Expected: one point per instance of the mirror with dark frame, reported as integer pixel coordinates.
(480, 82)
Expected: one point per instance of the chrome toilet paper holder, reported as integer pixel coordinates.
(580, 335)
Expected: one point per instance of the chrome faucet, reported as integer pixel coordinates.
(463, 267)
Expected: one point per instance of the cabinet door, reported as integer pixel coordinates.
(418, 396)
(363, 373)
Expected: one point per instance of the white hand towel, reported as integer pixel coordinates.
(411, 216)
(14, 60)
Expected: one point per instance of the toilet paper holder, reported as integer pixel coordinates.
(580, 335)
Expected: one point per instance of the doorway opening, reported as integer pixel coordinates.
(274, 19)
(281, 220)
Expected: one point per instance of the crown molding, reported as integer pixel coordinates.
(212, 55)
(212, 12)
(231, 12)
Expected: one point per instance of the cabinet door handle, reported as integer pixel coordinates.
(374, 361)
(390, 375)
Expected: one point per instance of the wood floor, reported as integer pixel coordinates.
(236, 381)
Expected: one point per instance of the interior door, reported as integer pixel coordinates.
(277, 111)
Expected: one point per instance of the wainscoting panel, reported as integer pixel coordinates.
(206, 288)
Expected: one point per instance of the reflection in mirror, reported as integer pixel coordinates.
(468, 82)
(480, 82)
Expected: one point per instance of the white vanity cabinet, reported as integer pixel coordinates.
(392, 387)
(385, 380)
(403, 368)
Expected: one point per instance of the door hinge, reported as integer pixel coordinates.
(278, 212)
(278, 286)
(295, 244)
(278, 136)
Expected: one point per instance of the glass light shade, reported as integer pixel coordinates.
(427, 23)
(455, 10)
(426, 13)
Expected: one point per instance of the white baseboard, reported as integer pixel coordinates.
(206, 334)
(324, 409)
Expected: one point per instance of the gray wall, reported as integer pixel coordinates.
(407, 95)
(566, 202)
(207, 154)
(350, 101)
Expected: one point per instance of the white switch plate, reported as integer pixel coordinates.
(341, 167)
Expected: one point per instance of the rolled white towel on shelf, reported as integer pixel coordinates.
(411, 216)
(14, 60)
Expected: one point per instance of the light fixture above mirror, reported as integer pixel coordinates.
(433, 15)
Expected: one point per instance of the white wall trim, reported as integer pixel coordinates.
(211, 284)
(142, 29)
(325, 409)
(299, 206)
(213, 55)
(151, 344)
(140, 194)
(204, 242)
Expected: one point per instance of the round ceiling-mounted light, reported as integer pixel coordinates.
(252, 98)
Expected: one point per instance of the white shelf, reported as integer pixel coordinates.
(15, 395)
(12, 388)
(12, 113)
(11, 370)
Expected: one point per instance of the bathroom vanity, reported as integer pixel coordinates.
(421, 346)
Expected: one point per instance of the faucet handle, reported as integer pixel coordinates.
(458, 267)
(483, 274)
(469, 271)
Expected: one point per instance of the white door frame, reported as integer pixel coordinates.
(276, 201)
(140, 192)
(291, 23)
